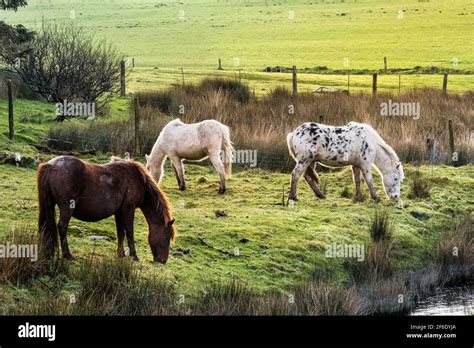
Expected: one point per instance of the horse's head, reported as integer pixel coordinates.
(392, 181)
(158, 212)
(159, 238)
(153, 169)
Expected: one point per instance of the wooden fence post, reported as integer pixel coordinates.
(11, 129)
(220, 65)
(295, 82)
(136, 108)
(122, 78)
(451, 140)
(321, 118)
(374, 84)
(182, 75)
(385, 63)
(445, 84)
(431, 147)
(399, 83)
(133, 62)
(348, 82)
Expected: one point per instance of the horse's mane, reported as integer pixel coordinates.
(386, 148)
(175, 122)
(152, 187)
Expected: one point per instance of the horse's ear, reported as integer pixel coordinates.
(147, 158)
(170, 223)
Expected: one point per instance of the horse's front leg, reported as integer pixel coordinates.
(356, 177)
(299, 169)
(366, 172)
(128, 218)
(64, 218)
(120, 233)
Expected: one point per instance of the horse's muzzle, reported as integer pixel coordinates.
(158, 260)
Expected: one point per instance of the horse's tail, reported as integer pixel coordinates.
(47, 220)
(228, 150)
(289, 136)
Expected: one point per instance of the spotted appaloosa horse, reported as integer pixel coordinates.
(356, 144)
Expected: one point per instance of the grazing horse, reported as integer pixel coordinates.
(91, 192)
(193, 142)
(356, 144)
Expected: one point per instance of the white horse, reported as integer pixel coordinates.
(193, 142)
(356, 144)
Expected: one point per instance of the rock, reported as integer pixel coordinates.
(420, 215)
(220, 213)
(13, 158)
(99, 237)
(202, 180)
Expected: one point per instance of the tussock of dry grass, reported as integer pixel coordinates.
(419, 187)
(456, 248)
(21, 270)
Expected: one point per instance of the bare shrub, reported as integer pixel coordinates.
(63, 62)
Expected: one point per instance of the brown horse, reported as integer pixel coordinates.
(92, 192)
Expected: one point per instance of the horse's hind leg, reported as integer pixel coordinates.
(120, 233)
(215, 158)
(178, 168)
(366, 172)
(312, 179)
(299, 169)
(65, 215)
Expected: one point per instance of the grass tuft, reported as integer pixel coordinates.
(419, 187)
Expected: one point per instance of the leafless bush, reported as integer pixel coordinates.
(63, 62)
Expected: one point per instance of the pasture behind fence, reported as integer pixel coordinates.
(377, 77)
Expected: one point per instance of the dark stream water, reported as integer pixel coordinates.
(448, 301)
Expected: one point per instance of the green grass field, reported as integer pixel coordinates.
(277, 246)
(142, 79)
(251, 35)
(260, 242)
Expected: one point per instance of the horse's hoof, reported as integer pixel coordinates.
(69, 257)
(221, 191)
(182, 188)
(377, 200)
(135, 258)
(321, 196)
(292, 198)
